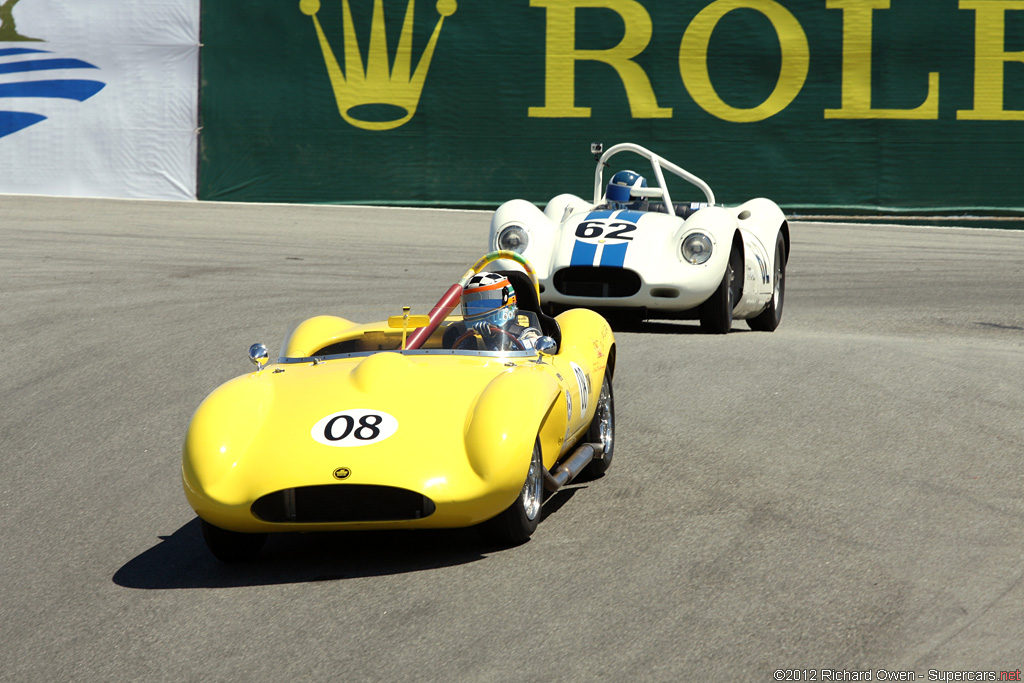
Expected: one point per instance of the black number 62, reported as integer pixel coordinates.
(594, 229)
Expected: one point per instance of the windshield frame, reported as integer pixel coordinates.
(510, 354)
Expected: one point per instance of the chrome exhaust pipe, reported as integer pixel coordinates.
(567, 470)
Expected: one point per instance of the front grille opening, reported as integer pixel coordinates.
(342, 503)
(597, 282)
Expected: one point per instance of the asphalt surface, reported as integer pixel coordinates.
(844, 494)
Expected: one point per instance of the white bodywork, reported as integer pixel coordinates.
(589, 255)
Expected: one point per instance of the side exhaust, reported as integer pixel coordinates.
(567, 470)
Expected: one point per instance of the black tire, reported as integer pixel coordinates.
(769, 319)
(517, 523)
(231, 546)
(602, 430)
(716, 312)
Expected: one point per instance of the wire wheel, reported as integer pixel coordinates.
(602, 429)
(517, 523)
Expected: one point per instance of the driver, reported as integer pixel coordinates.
(490, 314)
(619, 194)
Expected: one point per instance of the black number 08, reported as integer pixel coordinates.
(367, 430)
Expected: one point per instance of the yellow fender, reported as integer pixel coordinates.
(315, 333)
(589, 335)
(244, 403)
(502, 428)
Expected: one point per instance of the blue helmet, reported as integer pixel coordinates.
(620, 187)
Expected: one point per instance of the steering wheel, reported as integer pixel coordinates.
(491, 328)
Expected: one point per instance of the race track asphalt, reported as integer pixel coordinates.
(844, 494)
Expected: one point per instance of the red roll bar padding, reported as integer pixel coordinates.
(441, 310)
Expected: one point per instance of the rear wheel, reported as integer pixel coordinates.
(231, 546)
(602, 429)
(716, 312)
(769, 319)
(518, 522)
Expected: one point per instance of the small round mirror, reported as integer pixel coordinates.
(545, 346)
(259, 355)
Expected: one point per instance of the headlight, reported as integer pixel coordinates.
(513, 238)
(696, 248)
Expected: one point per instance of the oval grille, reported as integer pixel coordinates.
(594, 281)
(342, 503)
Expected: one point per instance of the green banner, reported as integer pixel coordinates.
(851, 105)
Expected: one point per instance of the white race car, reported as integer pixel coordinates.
(634, 253)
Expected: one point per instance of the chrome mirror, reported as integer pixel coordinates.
(259, 355)
(545, 346)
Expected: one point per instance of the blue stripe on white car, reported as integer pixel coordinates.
(630, 216)
(583, 254)
(612, 255)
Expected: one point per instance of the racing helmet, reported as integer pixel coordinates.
(620, 188)
(488, 297)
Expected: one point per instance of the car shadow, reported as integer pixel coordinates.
(182, 560)
(676, 327)
(554, 502)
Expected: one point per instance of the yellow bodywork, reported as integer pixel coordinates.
(346, 406)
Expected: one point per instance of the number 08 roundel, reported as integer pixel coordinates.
(354, 427)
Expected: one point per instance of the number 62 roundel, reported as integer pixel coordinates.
(354, 427)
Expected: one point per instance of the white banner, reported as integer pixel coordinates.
(99, 98)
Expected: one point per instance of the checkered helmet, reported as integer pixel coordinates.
(488, 297)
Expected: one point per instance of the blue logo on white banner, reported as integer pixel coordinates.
(34, 74)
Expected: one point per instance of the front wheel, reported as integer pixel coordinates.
(769, 319)
(716, 312)
(231, 546)
(602, 429)
(517, 523)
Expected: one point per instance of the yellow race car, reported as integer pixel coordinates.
(441, 420)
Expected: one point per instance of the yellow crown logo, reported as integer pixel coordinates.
(376, 84)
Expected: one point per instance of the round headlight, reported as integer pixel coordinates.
(513, 238)
(696, 248)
